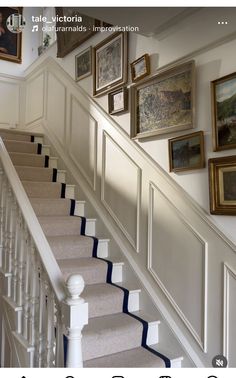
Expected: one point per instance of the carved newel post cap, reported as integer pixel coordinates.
(75, 285)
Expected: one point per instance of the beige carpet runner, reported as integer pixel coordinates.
(113, 337)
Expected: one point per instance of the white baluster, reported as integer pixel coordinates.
(26, 284)
(75, 316)
(50, 339)
(59, 361)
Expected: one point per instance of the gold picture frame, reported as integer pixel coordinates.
(223, 97)
(164, 103)
(222, 185)
(140, 68)
(110, 63)
(10, 46)
(186, 152)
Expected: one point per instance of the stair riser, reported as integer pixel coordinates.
(153, 333)
(103, 249)
(38, 139)
(70, 191)
(61, 176)
(53, 162)
(90, 228)
(45, 150)
(80, 208)
(117, 272)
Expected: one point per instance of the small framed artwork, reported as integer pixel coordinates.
(187, 152)
(11, 21)
(223, 93)
(140, 68)
(164, 103)
(83, 64)
(222, 182)
(118, 101)
(110, 63)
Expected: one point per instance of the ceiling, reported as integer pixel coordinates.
(150, 20)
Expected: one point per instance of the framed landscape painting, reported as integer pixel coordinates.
(10, 42)
(83, 64)
(223, 92)
(222, 181)
(187, 152)
(164, 103)
(110, 63)
(140, 68)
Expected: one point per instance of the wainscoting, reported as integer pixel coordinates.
(185, 263)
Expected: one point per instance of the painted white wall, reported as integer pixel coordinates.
(193, 35)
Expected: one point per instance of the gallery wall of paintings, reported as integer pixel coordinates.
(164, 104)
(150, 62)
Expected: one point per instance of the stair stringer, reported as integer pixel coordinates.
(119, 247)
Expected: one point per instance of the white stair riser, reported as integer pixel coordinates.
(134, 304)
(38, 139)
(79, 208)
(61, 176)
(177, 363)
(53, 162)
(103, 248)
(117, 272)
(153, 333)
(70, 191)
(90, 228)
(45, 150)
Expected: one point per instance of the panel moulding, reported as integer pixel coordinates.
(134, 242)
(201, 339)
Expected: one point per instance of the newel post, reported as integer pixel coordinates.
(74, 317)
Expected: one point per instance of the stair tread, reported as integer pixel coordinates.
(92, 270)
(103, 299)
(134, 358)
(110, 334)
(73, 246)
(60, 225)
(46, 189)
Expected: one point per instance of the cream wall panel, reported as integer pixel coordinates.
(82, 144)
(229, 315)
(121, 187)
(56, 107)
(35, 99)
(177, 259)
(9, 103)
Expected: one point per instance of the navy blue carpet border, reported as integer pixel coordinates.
(125, 306)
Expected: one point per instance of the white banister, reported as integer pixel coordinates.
(46, 308)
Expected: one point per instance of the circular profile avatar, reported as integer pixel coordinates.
(15, 23)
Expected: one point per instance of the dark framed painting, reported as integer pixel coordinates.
(10, 38)
(110, 63)
(118, 101)
(223, 94)
(73, 33)
(187, 152)
(222, 182)
(140, 68)
(83, 64)
(164, 103)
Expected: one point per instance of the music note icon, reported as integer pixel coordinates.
(35, 28)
